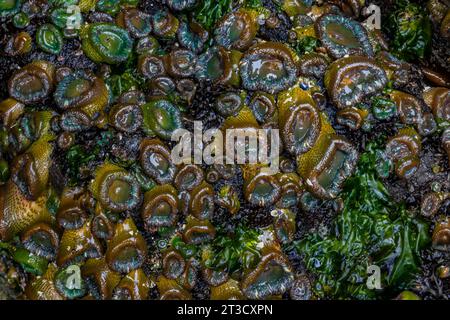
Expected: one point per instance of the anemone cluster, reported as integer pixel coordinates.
(89, 188)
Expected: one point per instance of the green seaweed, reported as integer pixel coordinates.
(411, 31)
(371, 230)
(211, 11)
(232, 252)
(305, 44)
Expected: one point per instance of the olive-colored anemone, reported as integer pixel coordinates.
(9, 7)
(101, 226)
(49, 39)
(10, 111)
(296, 7)
(349, 80)
(108, 43)
(151, 66)
(445, 26)
(180, 5)
(160, 208)
(343, 36)
(260, 189)
(263, 106)
(313, 65)
(67, 283)
(353, 118)
(147, 45)
(219, 66)
(134, 286)
(126, 117)
(397, 70)
(42, 240)
(188, 177)
(19, 44)
(161, 86)
(82, 91)
(237, 30)
(33, 83)
(214, 278)
(104, 278)
(432, 202)
(228, 104)
(325, 167)
(43, 288)
(30, 170)
(17, 213)
(284, 224)
(180, 63)
(268, 67)
(170, 289)
(71, 213)
(438, 99)
(198, 231)
(201, 203)
(403, 149)
(441, 235)
(173, 264)
(229, 290)
(155, 159)
(136, 22)
(127, 250)
(301, 288)
(187, 90)
(162, 117)
(188, 278)
(75, 120)
(272, 276)
(291, 189)
(409, 107)
(300, 121)
(192, 36)
(116, 189)
(165, 24)
(78, 245)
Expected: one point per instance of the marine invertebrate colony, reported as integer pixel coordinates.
(92, 181)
